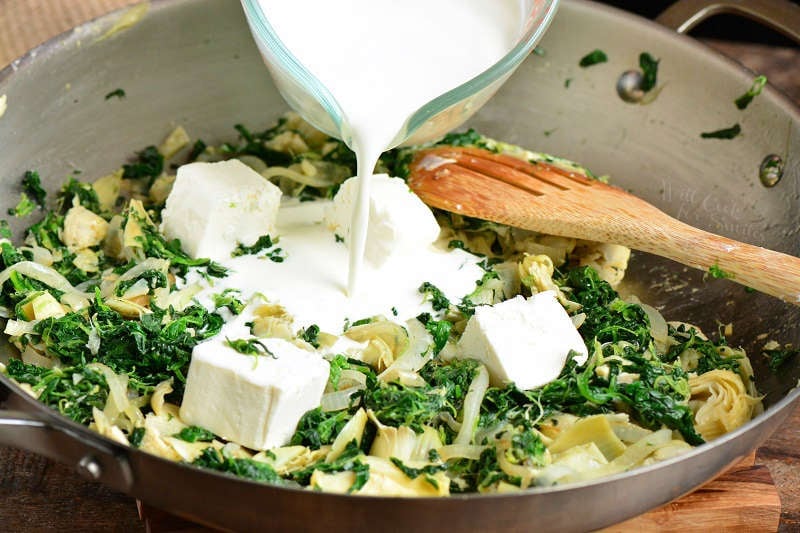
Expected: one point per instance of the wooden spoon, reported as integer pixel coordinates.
(547, 199)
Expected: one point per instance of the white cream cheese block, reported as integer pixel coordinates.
(399, 221)
(215, 206)
(255, 401)
(525, 341)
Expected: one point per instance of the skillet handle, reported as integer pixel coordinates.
(45, 435)
(782, 16)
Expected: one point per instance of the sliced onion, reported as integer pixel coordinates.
(41, 255)
(658, 327)
(157, 400)
(51, 278)
(178, 300)
(338, 400)
(467, 451)
(472, 406)
(410, 379)
(353, 377)
(75, 301)
(451, 422)
(93, 343)
(353, 430)
(16, 328)
(139, 288)
(414, 357)
(151, 263)
(578, 320)
(525, 473)
(118, 402)
(32, 357)
(299, 177)
(255, 163)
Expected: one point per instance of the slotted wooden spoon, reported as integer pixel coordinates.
(547, 199)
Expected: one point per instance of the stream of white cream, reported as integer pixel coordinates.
(382, 60)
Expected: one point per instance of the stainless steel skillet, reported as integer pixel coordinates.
(193, 63)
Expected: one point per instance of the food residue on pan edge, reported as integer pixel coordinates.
(129, 18)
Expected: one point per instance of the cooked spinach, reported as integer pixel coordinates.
(149, 164)
(724, 133)
(247, 468)
(595, 57)
(649, 66)
(116, 93)
(195, 434)
(744, 100)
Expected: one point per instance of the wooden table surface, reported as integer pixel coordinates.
(39, 495)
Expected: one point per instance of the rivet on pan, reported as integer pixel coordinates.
(771, 170)
(629, 86)
(89, 468)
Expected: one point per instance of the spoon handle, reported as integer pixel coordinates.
(764, 270)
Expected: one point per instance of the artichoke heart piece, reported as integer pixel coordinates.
(177, 140)
(107, 189)
(83, 229)
(385, 479)
(272, 321)
(403, 443)
(161, 188)
(386, 341)
(38, 306)
(132, 233)
(720, 402)
(288, 459)
(352, 431)
(595, 429)
(609, 260)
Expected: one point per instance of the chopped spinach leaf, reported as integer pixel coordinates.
(439, 330)
(153, 278)
(32, 186)
(744, 100)
(594, 57)
(73, 390)
(725, 133)
(438, 300)
(149, 164)
(311, 335)
(649, 66)
(197, 148)
(195, 434)
(23, 208)
(318, 428)
(136, 437)
(247, 468)
(779, 356)
(413, 473)
(249, 346)
(264, 243)
(74, 190)
(227, 299)
(116, 93)
(717, 273)
(348, 461)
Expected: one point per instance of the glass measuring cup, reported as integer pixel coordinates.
(313, 101)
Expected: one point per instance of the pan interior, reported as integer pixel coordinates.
(205, 74)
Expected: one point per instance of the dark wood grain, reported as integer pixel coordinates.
(39, 495)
